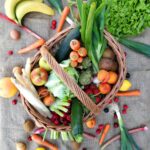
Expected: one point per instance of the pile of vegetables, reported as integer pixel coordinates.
(85, 56)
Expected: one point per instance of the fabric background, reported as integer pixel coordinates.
(12, 117)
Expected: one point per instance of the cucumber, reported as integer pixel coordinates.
(77, 120)
(64, 49)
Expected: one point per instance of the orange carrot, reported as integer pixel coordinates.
(64, 15)
(75, 45)
(80, 59)
(74, 64)
(104, 133)
(129, 93)
(39, 140)
(82, 52)
(31, 47)
(74, 56)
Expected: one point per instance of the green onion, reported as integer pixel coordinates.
(127, 141)
(79, 5)
(136, 46)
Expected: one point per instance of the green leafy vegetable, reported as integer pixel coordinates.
(136, 46)
(57, 87)
(128, 17)
(127, 141)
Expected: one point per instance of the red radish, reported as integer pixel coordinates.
(92, 86)
(82, 52)
(110, 101)
(65, 123)
(74, 56)
(75, 45)
(56, 122)
(10, 52)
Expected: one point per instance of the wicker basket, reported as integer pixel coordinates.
(78, 92)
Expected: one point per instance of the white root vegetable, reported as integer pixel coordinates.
(32, 99)
(29, 84)
(28, 67)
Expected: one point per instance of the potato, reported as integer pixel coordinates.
(108, 64)
(108, 53)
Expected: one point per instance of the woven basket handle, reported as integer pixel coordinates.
(68, 81)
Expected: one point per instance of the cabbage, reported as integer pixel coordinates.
(57, 87)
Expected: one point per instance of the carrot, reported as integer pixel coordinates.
(29, 48)
(80, 59)
(82, 52)
(39, 140)
(129, 93)
(75, 45)
(104, 133)
(64, 15)
(74, 64)
(74, 56)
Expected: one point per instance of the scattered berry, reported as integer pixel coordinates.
(53, 27)
(14, 102)
(124, 111)
(98, 131)
(115, 116)
(125, 53)
(110, 101)
(100, 126)
(106, 110)
(116, 125)
(10, 52)
(95, 91)
(125, 106)
(116, 99)
(54, 22)
(128, 75)
(56, 122)
(88, 91)
(92, 86)
(98, 99)
(68, 118)
(29, 138)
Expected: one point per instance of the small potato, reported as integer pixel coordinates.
(108, 53)
(108, 64)
(14, 34)
(21, 146)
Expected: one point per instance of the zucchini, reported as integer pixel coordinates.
(77, 120)
(64, 49)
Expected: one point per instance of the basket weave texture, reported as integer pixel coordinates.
(46, 52)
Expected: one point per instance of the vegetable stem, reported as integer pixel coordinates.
(117, 137)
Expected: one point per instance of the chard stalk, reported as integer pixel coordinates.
(64, 135)
(127, 141)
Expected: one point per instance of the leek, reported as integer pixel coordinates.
(127, 141)
(136, 46)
